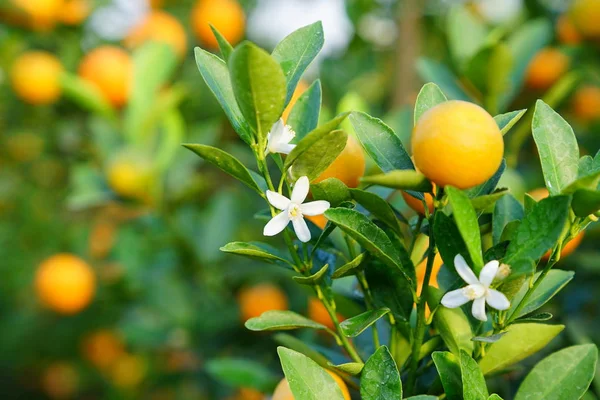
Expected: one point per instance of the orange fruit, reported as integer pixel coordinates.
(300, 89)
(42, 14)
(257, 299)
(457, 143)
(227, 16)
(546, 67)
(348, 167)
(318, 313)
(102, 348)
(248, 394)
(109, 68)
(130, 175)
(74, 12)
(102, 238)
(162, 27)
(417, 204)
(318, 220)
(585, 15)
(586, 103)
(437, 264)
(35, 77)
(283, 391)
(65, 283)
(60, 381)
(566, 32)
(128, 371)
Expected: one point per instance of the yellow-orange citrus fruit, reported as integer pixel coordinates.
(257, 299)
(417, 204)
(109, 68)
(318, 313)
(42, 14)
(318, 220)
(248, 394)
(131, 176)
(566, 32)
(283, 391)
(162, 27)
(60, 381)
(300, 89)
(349, 166)
(539, 193)
(35, 77)
(227, 16)
(128, 371)
(74, 12)
(585, 15)
(65, 283)
(102, 348)
(457, 143)
(586, 103)
(437, 264)
(546, 67)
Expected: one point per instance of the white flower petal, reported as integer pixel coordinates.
(277, 130)
(277, 200)
(478, 309)
(283, 148)
(300, 190)
(488, 273)
(497, 300)
(314, 207)
(464, 270)
(301, 229)
(455, 298)
(288, 134)
(276, 224)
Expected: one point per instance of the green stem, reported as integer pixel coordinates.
(364, 285)
(415, 234)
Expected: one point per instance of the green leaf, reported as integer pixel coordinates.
(352, 368)
(332, 190)
(224, 46)
(466, 34)
(86, 95)
(429, 97)
(313, 279)
(380, 379)
(489, 70)
(452, 324)
(225, 162)
(449, 240)
(488, 186)
(489, 339)
(260, 251)
(494, 397)
(468, 226)
(315, 159)
(586, 202)
(408, 179)
(449, 370)
(521, 341)
(557, 147)
(307, 380)
(356, 325)
(259, 87)
(507, 121)
(507, 209)
(380, 142)
(422, 397)
(276, 320)
(242, 373)
(485, 202)
(539, 231)
(437, 72)
(350, 268)
(296, 51)
(215, 73)
(566, 374)
(304, 116)
(589, 181)
(553, 283)
(377, 206)
(390, 289)
(474, 387)
(301, 346)
(541, 317)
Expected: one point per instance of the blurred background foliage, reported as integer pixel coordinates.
(96, 97)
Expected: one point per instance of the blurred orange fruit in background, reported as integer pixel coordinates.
(585, 15)
(130, 175)
(74, 12)
(586, 103)
(227, 16)
(318, 313)
(60, 381)
(566, 31)
(109, 68)
(102, 348)
(42, 14)
(283, 391)
(161, 27)
(65, 283)
(546, 67)
(300, 89)
(349, 166)
(255, 300)
(417, 204)
(35, 77)
(128, 371)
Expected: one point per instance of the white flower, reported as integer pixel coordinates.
(294, 210)
(279, 138)
(477, 290)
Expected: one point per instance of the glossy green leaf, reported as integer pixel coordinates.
(494, 397)
(507, 209)
(508, 120)
(350, 268)
(390, 289)
(352, 368)
(224, 46)
(474, 387)
(449, 370)
(260, 251)
(585, 202)
(301, 346)
(242, 373)
(377, 206)
(557, 147)
(449, 240)
(259, 86)
(315, 159)
(296, 51)
(553, 283)
(380, 379)
(313, 279)
(356, 325)
(276, 320)
(429, 96)
(452, 324)
(468, 226)
(304, 116)
(438, 73)
(488, 186)
(307, 380)
(466, 34)
(541, 317)
(332, 190)
(486, 202)
(521, 341)
(400, 179)
(566, 374)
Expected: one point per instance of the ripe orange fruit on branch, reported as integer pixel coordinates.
(227, 16)
(348, 167)
(35, 77)
(585, 15)
(300, 89)
(283, 391)
(65, 283)
(417, 204)
(109, 68)
(457, 143)
(257, 299)
(318, 313)
(546, 67)
(162, 27)
(586, 103)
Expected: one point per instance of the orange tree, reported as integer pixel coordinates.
(483, 311)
